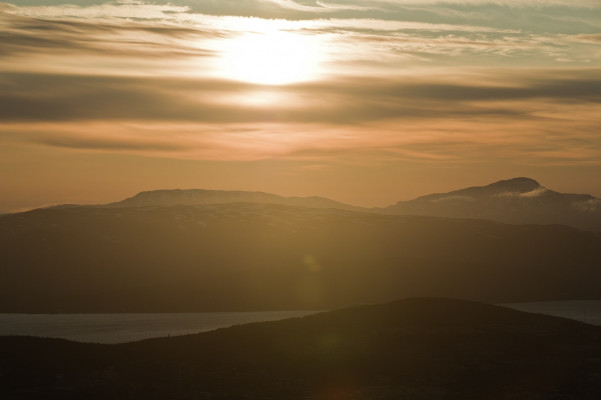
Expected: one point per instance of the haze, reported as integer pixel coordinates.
(365, 102)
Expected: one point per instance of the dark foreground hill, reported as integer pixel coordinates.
(418, 349)
(238, 256)
(515, 201)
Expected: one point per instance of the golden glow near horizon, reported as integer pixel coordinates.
(269, 56)
(366, 102)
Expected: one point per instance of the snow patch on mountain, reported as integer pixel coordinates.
(591, 205)
(452, 198)
(532, 193)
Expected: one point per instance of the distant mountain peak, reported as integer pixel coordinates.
(518, 200)
(514, 187)
(174, 197)
(519, 185)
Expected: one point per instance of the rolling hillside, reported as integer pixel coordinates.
(244, 256)
(419, 349)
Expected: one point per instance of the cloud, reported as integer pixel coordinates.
(508, 3)
(530, 194)
(293, 5)
(159, 38)
(586, 38)
(370, 25)
(101, 78)
(445, 140)
(56, 97)
(592, 205)
(32, 36)
(341, 6)
(128, 10)
(111, 144)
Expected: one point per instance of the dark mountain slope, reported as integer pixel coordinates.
(203, 197)
(517, 201)
(415, 348)
(266, 257)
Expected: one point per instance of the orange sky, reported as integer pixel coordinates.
(366, 102)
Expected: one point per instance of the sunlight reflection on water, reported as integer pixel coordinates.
(588, 311)
(119, 328)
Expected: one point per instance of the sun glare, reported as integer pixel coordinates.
(270, 57)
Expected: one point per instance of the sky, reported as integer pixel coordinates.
(365, 102)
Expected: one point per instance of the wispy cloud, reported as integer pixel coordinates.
(424, 84)
(586, 38)
(48, 97)
(591, 205)
(130, 11)
(123, 38)
(530, 194)
(344, 6)
(509, 3)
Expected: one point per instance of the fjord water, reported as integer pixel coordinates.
(120, 328)
(588, 311)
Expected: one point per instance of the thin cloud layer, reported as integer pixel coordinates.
(53, 97)
(421, 83)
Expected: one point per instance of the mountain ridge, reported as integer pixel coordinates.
(270, 257)
(207, 196)
(417, 348)
(520, 200)
(515, 201)
(518, 185)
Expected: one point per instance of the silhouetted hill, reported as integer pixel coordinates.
(242, 256)
(517, 201)
(203, 197)
(418, 349)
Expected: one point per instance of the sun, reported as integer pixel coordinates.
(270, 57)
